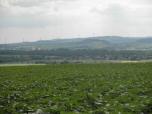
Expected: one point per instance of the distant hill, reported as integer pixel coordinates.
(101, 42)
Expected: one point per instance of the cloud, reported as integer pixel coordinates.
(38, 13)
(63, 18)
(22, 3)
(30, 3)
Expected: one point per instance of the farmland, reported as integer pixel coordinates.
(106, 88)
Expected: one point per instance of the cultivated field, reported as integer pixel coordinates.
(106, 88)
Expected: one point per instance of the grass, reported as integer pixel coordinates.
(107, 88)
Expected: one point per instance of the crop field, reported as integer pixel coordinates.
(106, 88)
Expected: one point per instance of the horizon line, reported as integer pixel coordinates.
(70, 38)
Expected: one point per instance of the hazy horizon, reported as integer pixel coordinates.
(71, 38)
(33, 20)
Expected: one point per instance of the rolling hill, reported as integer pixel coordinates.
(101, 42)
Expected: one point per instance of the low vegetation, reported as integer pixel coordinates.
(107, 88)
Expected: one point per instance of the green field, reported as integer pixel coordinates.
(106, 88)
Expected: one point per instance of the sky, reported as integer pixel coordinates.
(31, 20)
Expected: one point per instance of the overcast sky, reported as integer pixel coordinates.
(31, 20)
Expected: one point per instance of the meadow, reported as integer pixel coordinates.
(106, 88)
